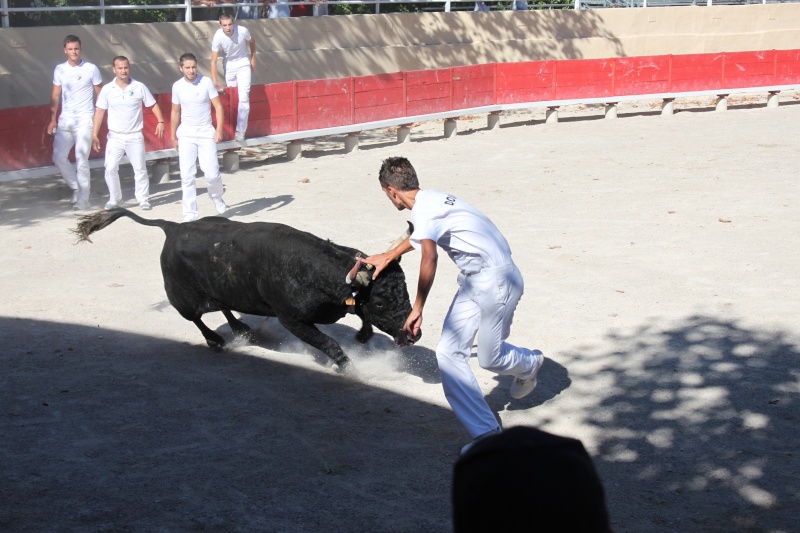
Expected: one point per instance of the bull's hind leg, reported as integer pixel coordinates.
(213, 339)
(239, 328)
(309, 333)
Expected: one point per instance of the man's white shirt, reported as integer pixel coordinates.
(194, 99)
(233, 48)
(125, 105)
(471, 240)
(77, 88)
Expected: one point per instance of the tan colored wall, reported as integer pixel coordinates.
(329, 47)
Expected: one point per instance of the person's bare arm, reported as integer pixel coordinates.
(98, 122)
(381, 261)
(55, 100)
(214, 56)
(252, 53)
(160, 126)
(220, 118)
(427, 273)
(174, 122)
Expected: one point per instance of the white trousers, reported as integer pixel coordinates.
(77, 132)
(132, 145)
(193, 146)
(484, 304)
(239, 75)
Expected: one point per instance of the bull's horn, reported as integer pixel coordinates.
(363, 278)
(403, 237)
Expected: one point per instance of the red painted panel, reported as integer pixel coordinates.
(696, 72)
(473, 86)
(530, 81)
(378, 97)
(271, 109)
(584, 78)
(787, 69)
(428, 91)
(324, 103)
(25, 147)
(750, 69)
(641, 75)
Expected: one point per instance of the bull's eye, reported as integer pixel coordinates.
(379, 305)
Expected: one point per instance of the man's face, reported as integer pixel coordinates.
(391, 194)
(227, 26)
(189, 70)
(73, 51)
(122, 70)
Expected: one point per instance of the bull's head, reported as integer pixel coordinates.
(384, 301)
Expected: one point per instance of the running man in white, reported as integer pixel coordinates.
(233, 42)
(75, 84)
(194, 136)
(124, 97)
(490, 285)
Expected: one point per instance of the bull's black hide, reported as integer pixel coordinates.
(267, 269)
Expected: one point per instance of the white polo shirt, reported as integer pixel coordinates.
(233, 48)
(471, 240)
(195, 101)
(125, 106)
(77, 88)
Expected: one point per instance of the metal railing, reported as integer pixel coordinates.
(16, 13)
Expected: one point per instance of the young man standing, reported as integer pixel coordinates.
(490, 285)
(193, 135)
(233, 41)
(75, 84)
(124, 97)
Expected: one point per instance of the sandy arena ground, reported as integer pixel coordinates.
(661, 261)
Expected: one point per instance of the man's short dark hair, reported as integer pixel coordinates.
(188, 56)
(120, 58)
(399, 173)
(71, 39)
(532, 480)
(225, 15)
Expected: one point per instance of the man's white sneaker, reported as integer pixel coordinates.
(239, 137)
(74, 197)
(145, 206)
(81, 205)
(112, 205)
(219, 203)
(189, 218)
(482, 436)
(522, 386)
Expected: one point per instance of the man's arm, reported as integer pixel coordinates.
(427, 273)
(55, 99)
(174, 121)
(252, 53)
(97, 90)
(381, 261)
(98, 121)
(220, 118)
(160, 117)
(214, 56)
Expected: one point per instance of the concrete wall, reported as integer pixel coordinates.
(331, 47)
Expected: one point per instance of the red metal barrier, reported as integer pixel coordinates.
(314, 104)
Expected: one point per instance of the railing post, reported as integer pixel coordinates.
(4, 13)
(188, 17)
(102, 12)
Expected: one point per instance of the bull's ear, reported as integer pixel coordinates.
(363, 278)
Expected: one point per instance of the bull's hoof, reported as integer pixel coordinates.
(364, 336)
(216, 344)
(345, 366)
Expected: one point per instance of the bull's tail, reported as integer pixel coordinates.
(88, 224)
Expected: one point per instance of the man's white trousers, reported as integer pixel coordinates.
(239, 74)
(77, 132)
(198, 144)
(132, 145)
(484, 304)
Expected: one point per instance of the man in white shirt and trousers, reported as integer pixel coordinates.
(233, 42)
(75, 84)
(490, 285)
(124, 97)
(193, 135)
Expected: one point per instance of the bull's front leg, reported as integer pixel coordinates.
(365, 333)
(309, 334)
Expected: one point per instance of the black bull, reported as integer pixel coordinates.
(268, 269)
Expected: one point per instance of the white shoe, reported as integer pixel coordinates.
(239, 136)
(522, 386)
(219, 203)
(480, 437)
(74, 197)
(81, 205)
(189, 218)
(112, 205)
(145, 206)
